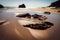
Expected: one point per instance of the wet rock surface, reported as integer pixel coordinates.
(24, 15)
(39, 17)
(43, 26)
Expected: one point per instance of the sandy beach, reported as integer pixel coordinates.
(13, 30)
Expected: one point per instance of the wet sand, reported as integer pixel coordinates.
(13, 30)
(54, 10)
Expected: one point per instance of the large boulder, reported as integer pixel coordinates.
(22, 6)
(1, 6)
(55, 4)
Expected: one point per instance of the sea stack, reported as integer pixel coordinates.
(1, 6)
(55, 4)
(22, 6)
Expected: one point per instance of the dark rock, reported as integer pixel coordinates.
(43, 26)
(24, 15)
(22, 6)
(35, 16)
(47, 13)
(1, 6)
(55, 4)
(40, 17)
(36, 26)
(49, 23)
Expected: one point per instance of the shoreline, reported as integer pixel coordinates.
(52, 10)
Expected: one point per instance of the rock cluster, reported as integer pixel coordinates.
(41, 18)
(35, 16)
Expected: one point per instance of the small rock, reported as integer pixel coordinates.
(58, 11)
(47, 13)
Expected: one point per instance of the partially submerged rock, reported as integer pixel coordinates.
(22, 6)
(1, 6)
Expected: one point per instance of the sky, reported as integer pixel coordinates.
(28, 3)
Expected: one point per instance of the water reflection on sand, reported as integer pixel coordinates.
(15, 27)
